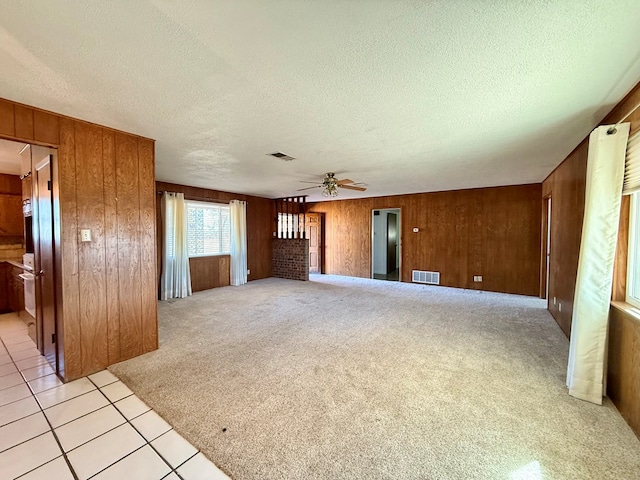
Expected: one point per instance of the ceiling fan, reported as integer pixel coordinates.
(330, 185)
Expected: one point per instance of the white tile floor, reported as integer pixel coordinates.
(94, 427)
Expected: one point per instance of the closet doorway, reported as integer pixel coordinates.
(386, 244)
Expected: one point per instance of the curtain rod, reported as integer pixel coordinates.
(203, 199)
(614, 129)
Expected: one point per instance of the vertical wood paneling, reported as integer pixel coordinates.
(111, 245)
(128, 217)
(224, 271)
(623, 378)
(69, 311)
(24, 122)
(11, 216)
(209, 272)
(624, 331)
(46, 127)
(259, 232)
(147, 209)
(7, 118)
(91, 255)
(105, 184)
(493, 232)
(566, 186)
(622, 246)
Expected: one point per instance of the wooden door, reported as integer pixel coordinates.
(44, 256)
(392, 241)
(313, 231)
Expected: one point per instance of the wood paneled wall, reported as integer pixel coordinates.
(623, 366)
(11, 217)
(210, 272)
(566, 185)
(493, 232)
(107, 309)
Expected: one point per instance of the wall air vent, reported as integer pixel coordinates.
(420, 276)
(282, 156)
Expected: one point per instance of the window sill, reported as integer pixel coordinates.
(212, 255)
(628, 309)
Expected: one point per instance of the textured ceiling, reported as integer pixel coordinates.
(405, 96)
(10, 159)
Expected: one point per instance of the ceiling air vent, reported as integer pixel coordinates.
(282, 156)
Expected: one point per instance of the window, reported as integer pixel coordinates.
(632, 186)
(208, 229)
(633, 260)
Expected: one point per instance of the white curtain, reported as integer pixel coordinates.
(238, 217)
(605, 171)
(175, 281)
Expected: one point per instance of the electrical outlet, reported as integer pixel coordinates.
(477, 278)
(560, 307)
(85, 235)
(248, 271)
(554, 300)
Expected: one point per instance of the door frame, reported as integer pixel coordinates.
(545, 247)
(320, 217)
(57, 242)
(398, 211)
(54, 356)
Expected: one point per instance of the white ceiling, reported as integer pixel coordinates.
(405, 96)
(10, 159)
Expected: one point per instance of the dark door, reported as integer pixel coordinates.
(43, 249)
(392, 241)
(313, 231)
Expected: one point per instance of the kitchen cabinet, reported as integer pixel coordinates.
(26, 195)
(4, 288)
(15, 290)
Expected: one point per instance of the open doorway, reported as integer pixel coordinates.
(27, 236)
(385, 244)
(546, 248)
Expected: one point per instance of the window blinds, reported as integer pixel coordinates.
(208, 229)
(632, 165)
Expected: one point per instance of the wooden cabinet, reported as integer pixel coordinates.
(26, 196)
(11, 288)
(11, 218)
(15, 289)
(4, 288)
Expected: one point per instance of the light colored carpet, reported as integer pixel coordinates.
(345, 378)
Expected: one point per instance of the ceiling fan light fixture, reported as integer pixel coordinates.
(330, 190)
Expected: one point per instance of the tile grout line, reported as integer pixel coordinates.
(147, 442)
(53, 432)
(111, 403)
(46, 419)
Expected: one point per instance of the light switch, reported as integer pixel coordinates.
(85, 235)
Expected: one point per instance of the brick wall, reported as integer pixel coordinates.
(290, 258)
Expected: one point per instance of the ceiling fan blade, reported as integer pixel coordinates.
(343, 181)
(308, 188)
(351, 187)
